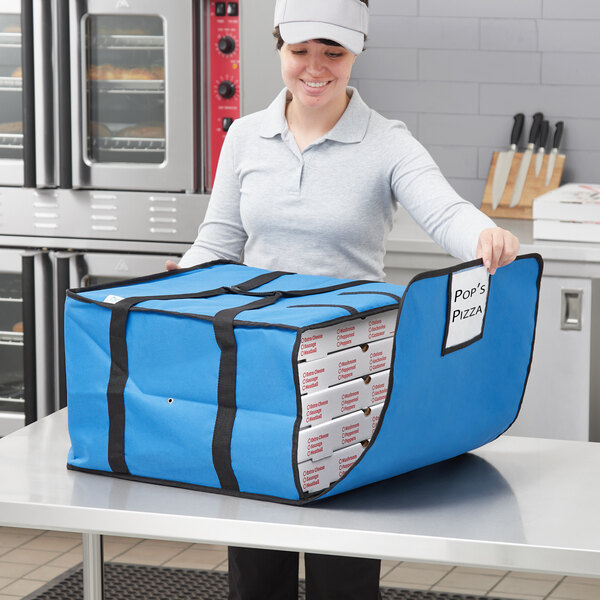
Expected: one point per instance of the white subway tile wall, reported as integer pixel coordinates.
(456, 71)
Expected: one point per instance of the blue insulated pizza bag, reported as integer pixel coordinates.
(195, 378)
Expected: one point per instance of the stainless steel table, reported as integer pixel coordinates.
(517, 503)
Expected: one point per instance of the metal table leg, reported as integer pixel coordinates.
(93, 567)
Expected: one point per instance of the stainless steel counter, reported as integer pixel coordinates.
(517, 503)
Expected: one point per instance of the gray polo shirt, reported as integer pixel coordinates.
(328, 209)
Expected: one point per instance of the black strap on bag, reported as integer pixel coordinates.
(119, 374)
(119, 368)
(223, 324)
(226, 390)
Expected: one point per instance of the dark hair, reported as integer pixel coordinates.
(280, 42)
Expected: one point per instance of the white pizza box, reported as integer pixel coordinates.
(314, 476)
(341, 460)
(320, 441)
(578, 202)
(318, 475)
(345, 365)
(316, 343)
(566, 231)
(344, 398)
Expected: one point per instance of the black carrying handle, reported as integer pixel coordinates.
(544, 133)
(245, 289)
(558, 134)
(535, 127)
(517, 129)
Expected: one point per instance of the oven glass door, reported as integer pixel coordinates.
(12, 388)
(11, 103)
(135, 96)
(125, 87)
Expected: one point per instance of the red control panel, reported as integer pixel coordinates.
(224, 70)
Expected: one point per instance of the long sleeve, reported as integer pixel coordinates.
(221, 235)
(452, 222)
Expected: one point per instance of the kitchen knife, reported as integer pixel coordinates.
(526, 160)
(504, 161)
(539, 159)
(554, 152)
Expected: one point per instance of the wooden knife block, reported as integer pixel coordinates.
(534, 187)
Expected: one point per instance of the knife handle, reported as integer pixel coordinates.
(558, 134)
(517, 129)
(535, 127)
(545, 130)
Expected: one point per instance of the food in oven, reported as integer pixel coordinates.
(143, 130)
(108, 29)
(14, 127)
(18, 72)
(106, 72)
(99, 130)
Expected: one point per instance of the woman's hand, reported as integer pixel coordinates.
(497, 247)
(171, 265)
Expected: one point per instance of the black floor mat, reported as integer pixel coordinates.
(141, 582)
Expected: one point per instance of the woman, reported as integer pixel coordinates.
(310, 185)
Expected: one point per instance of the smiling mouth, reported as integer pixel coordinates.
(315, 84)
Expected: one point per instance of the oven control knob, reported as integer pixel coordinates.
(226, 45)
(226, 89)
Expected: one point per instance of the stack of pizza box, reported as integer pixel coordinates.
(343, 374)
(569, 213)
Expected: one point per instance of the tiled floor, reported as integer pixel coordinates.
(29, 558)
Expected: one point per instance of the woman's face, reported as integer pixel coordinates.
(316, 74)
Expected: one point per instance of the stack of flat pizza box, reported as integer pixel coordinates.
(343, 374)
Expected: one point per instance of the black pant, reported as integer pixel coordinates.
(273, 575)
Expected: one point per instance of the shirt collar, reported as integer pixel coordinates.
(351, 127)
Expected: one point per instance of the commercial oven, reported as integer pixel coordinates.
(118, 94)
(32, 293)
(112, 116)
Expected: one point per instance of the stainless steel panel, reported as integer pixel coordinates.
(173, 250)
(97, 214)
(177, 171)
(11, 173)
(44, 333)
(203, 97)
(10, 7)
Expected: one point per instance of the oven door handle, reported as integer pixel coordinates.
(81, 171)
(28, 95)
(46, 148)
(64, 95)
(38, 332)
(29, 354)
(69, 271)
